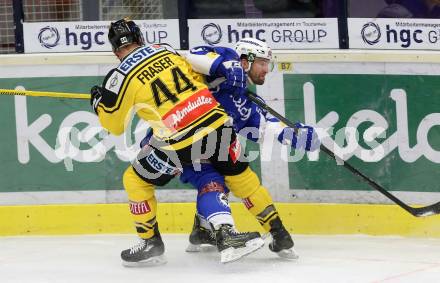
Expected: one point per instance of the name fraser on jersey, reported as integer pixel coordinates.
(189, 110)
(152, 70)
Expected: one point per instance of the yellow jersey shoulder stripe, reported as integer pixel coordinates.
(129, 77)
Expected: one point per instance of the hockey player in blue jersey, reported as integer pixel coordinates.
(228, 72)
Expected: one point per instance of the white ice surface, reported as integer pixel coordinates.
(96, 259)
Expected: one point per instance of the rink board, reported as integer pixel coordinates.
(45, 192)
(397, 90)
(325, 219)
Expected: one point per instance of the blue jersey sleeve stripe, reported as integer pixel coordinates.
(214, 65)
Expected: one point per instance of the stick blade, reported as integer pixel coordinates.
(430, 210)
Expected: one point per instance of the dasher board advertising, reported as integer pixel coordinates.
(286, 33)
(91, 36)
(380, 33)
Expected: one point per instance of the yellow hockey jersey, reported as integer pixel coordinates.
(161, 87)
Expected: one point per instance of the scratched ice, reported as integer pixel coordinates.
(95, 258)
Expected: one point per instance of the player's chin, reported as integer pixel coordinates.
(259, 82)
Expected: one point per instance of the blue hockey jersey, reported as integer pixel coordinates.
(248, 119)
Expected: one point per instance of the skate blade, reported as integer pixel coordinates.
(200, 248)
(234, 254)
(289, 254)
(152, 261)
(193, 248)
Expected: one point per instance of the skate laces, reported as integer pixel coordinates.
(236, 232)
(138, 247)
(211, 235)
(233, 231)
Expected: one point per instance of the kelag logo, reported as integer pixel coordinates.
(371, 33)
(49, 37)
(212, 34)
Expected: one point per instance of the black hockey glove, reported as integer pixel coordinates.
(95, 98)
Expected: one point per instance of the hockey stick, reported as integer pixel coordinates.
(44, 94)
(415, 211)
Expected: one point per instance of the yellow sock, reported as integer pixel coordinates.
(142, 203)
(256, 197)
(260, 204)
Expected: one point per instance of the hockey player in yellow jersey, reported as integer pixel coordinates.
(161, 88)
(188, 124)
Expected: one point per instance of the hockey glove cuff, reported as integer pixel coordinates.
(301, 137)
(95, 98)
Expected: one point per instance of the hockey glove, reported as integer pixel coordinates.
(95, 98)
(234, 75)
(301, 137)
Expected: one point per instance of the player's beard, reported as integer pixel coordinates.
(257, 79)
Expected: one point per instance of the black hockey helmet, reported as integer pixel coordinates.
(124, 32)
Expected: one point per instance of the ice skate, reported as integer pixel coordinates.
(148, 252)
(234, 245)
(200, 236)
(282, 243)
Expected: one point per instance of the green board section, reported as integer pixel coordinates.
(348, 94)
(37, 172)
(345, 95)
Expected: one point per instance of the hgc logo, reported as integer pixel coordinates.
(49, 37)
(212, 33)
(406, 37)
(370, 33)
